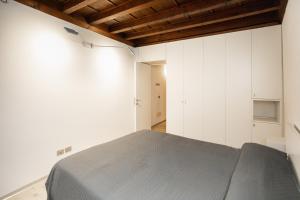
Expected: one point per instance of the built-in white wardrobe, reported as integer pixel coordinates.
(226, 88)
(267, 83)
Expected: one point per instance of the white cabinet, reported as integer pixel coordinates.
(267, 63)
(239, 103)
(267, 120)
(152, 53)
(175, 88)
(211, 83)
(262, 131)
(267, 83)
(214, 89)
(192, 76)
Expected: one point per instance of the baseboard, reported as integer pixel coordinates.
(21, 189)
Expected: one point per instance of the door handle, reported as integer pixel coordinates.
(137, 101)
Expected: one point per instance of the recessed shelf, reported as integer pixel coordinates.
(266, 111)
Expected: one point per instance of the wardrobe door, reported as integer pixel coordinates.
(262, 131)
(193, 65)
(152, 53)
(239, 105)
(214, 89)
(175, 88)
(267, 63)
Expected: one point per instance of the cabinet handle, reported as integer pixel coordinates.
(253, 124)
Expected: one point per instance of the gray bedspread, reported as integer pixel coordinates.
(145, 166)
(155, 166)
(263, 173)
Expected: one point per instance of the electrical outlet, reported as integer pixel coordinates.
(60, 152)
(68, 149)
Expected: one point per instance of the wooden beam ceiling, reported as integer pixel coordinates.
(144, 22)
(121, 10)
(74, 5)
(192, 7)
(61, 15)
(283, 4)
(267, 19)
(246, 10)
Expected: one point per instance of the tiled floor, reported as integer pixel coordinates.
(161, 127)
(36, 191)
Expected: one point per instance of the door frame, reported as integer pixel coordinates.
(156, 62)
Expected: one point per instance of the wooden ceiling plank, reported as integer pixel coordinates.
(74, 5)
(120, 10)
(192, 7)
(257, 21)
(246, 10)
(36, 4)
(283, 4)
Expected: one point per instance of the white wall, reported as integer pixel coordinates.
(158, 105)
(291, 65)
(56, 93)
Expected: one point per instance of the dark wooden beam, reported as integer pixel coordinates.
(257, 21)
(74, 5)
(120, 10)
(192, 7)
(281, 12)
(246, 10)
(61, 15)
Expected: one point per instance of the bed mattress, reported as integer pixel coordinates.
(154, 166)
(263, 173)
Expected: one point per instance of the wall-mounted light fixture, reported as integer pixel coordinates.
(71, 31)
(92, 45)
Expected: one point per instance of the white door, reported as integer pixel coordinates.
(239, 103)
(143, 96)
(175, 88)
(193, 66)
(214, 89)
(267, 63)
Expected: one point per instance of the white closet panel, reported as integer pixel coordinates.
(263, 131)
(267, 63)
(152, 53)
(239, 103)
(214, 89)
(175, 88)
(193, 66)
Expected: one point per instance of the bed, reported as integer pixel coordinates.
(153, 166)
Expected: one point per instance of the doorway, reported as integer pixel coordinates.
(151, 96)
